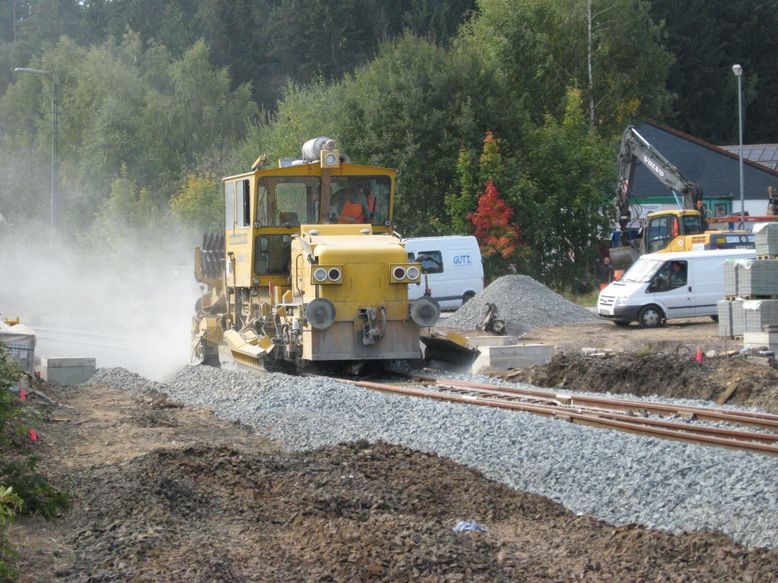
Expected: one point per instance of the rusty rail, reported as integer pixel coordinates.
(602, 412)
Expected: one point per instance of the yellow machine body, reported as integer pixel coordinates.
(670, 231)
(312, 270)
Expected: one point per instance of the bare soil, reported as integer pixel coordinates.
(163, 492)
(659, 361)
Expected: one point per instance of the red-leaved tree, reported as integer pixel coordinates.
(491, 222)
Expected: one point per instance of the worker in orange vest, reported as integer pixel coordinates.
(354, 208)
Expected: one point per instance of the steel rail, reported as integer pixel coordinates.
(666, 429)
(638, 420)
(757, 419)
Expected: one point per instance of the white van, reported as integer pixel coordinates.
(451, 267)
(663, 286)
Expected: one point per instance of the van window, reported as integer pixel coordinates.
(431, 261)
(642, 271)
(672, 275)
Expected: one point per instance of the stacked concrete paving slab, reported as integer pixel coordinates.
(751, 289)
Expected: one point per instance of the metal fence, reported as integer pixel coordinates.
(21, 347)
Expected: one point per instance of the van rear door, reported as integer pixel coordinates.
(706, 279)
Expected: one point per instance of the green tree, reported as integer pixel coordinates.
(461, 203)
(411, 109)
(540, 49)
(559, 200)
(127, 111)
(199, 202)
(708, 37)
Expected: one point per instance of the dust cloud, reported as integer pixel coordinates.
(131, 309)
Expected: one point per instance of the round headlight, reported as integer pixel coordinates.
(413, 273)
(399, 272)
(334, 274)
(320, 314)
(330, 159)
(320, 274)
(425, 311)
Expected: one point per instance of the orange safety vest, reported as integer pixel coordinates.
(351, 213)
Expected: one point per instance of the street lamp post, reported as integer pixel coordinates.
(54, 134)
(738, 71)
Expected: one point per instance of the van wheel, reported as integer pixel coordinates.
(467, 296)
(650, 317)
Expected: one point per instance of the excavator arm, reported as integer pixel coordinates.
(635, 148)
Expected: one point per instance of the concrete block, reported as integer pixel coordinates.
(64, 370)
(514, 356)
(766, 237)
(761, 340)
(760, 313)
(750, 277)
(478, 341)
(731, 318)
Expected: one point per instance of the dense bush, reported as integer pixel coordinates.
(22, 488)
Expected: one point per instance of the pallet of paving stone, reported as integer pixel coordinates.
(760, 314)
(766, 239)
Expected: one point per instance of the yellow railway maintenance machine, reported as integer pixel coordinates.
(309, 270)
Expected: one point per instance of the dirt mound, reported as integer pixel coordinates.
(356, 512)
(167, 493)
(669, 375)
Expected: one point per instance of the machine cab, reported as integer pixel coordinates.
(265, 208)
(663, 228)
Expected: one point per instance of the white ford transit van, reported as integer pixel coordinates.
(663, 286)
(451, 267)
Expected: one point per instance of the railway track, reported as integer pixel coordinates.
(661, 420)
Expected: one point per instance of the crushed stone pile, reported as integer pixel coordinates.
(523, 303)
(728, 491)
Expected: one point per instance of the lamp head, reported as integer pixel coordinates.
(737, 70)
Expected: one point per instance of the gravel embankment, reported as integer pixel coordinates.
(523, 303)
(615, 476)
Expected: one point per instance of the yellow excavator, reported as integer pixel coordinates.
(682, 229)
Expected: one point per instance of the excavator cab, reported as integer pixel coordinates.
(662, 228)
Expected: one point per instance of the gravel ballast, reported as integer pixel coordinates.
(523, 303)
(614, 476)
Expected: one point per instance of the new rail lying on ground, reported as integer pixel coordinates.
(621, 414)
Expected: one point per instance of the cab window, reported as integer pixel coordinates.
(288, 200)
(229, 206)
(243, 205)
(661, 230)
(372, 193)
(272, 254)
(691, 225)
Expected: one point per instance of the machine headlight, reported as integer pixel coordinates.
(320, 314)
(425, 311)
(413, 272)
(334, 274)
(320, 274)
(399, 272)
